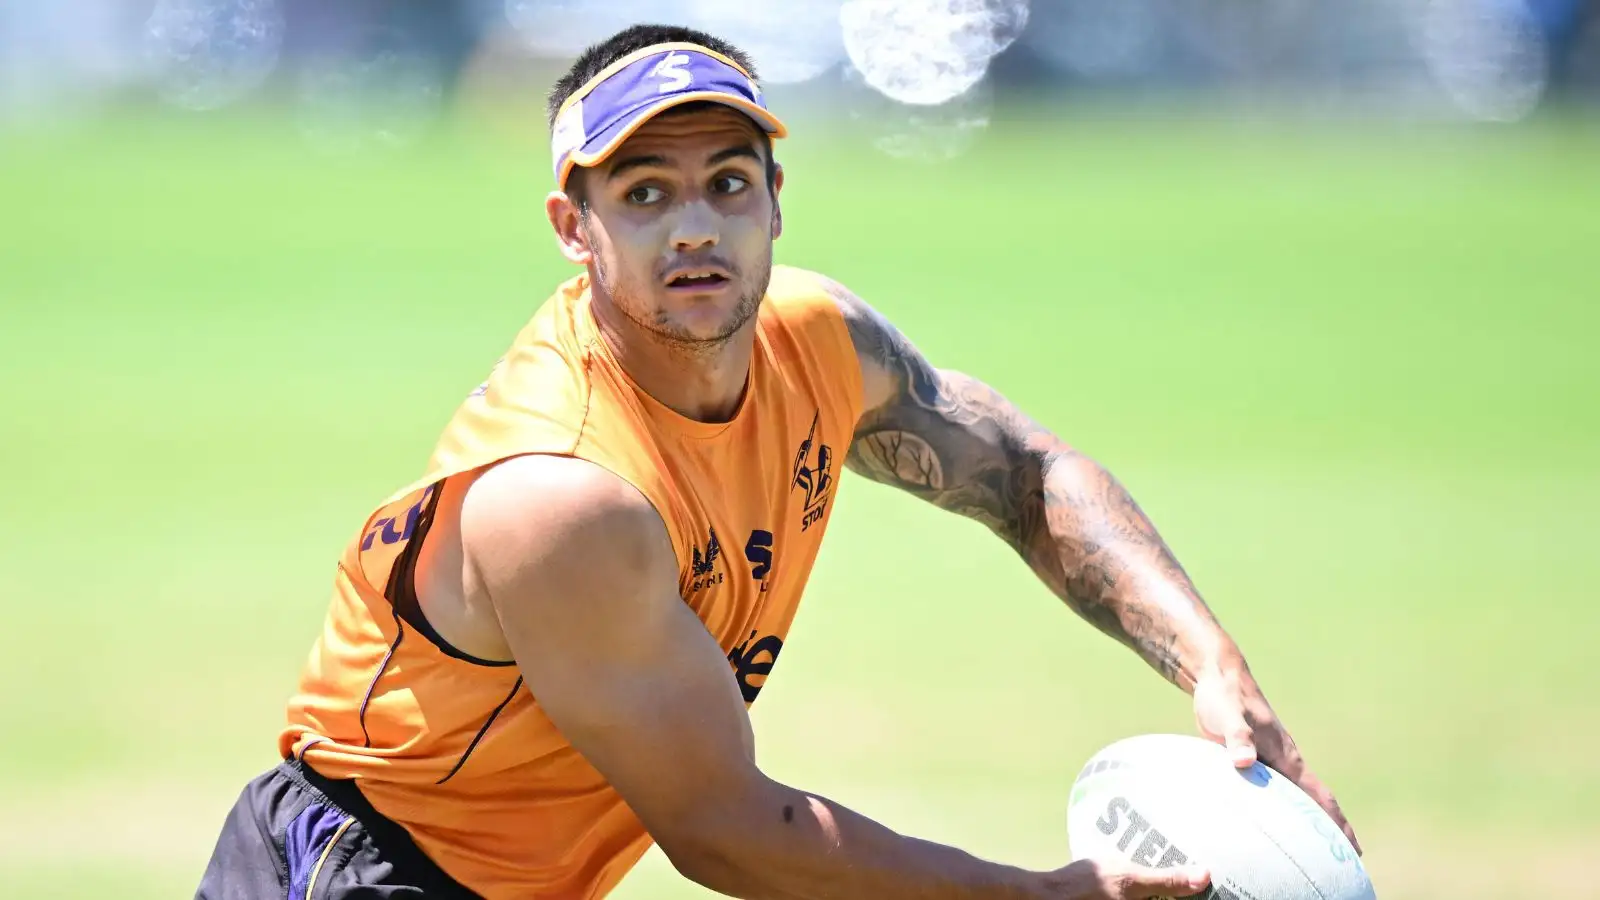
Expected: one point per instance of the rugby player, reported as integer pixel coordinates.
(539, 656)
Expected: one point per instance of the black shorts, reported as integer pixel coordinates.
(295, 834)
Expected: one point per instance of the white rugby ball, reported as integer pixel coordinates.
(1164, 800)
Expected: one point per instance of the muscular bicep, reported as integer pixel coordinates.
(585, 588)
(942, 435)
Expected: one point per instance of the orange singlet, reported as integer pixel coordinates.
(456, 749)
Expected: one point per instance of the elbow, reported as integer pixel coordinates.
(715, 858)
(709, 863)
(725, 845)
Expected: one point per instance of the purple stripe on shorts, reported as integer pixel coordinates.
(305, 840)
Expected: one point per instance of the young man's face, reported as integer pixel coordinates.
(680, 223)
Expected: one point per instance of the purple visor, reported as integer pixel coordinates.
(599, 116)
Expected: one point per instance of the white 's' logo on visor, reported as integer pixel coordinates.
(671, 71)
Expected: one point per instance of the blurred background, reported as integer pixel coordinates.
(1314, 277)
(389, 72)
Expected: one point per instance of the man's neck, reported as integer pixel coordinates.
(703, 382)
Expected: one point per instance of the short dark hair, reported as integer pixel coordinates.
(597, 57)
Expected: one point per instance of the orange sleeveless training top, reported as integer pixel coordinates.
(456, 749)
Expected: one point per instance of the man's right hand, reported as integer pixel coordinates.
(1088, 879)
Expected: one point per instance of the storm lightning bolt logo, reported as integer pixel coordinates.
(813, 474)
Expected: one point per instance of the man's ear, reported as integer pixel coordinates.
(566, 218)
(777, 207)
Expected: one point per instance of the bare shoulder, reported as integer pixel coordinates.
(940, 434)
(868, 328)
(551, 526)
(890, 364)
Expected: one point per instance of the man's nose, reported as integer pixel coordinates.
(696, 227)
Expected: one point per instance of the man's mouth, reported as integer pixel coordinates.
(702, 278)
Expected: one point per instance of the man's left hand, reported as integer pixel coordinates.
(1231, 710)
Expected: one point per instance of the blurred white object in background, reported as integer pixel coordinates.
(381, 93)
(928, 51)
(1488, 56)
(922, 133)
(209, 53)
(1008, 19)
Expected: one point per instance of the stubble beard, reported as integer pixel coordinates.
(675, 337)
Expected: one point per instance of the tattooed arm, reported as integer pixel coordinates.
(953, 441)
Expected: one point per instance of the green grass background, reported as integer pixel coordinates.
(1350, 372)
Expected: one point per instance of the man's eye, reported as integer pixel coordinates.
(729, 184)
(644, 196)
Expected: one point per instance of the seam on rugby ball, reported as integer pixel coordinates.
(1295, 862)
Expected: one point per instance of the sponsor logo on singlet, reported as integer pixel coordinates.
(752, 661)
(703, 571)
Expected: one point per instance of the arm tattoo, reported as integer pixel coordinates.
(955, 442)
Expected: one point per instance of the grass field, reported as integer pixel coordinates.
(1352, 375)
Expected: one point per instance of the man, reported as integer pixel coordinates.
(539, 656)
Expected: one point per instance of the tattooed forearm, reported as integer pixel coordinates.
(1113, 563)
(958, 444)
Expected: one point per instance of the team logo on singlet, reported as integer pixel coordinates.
(813, 474)
(703, 571)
